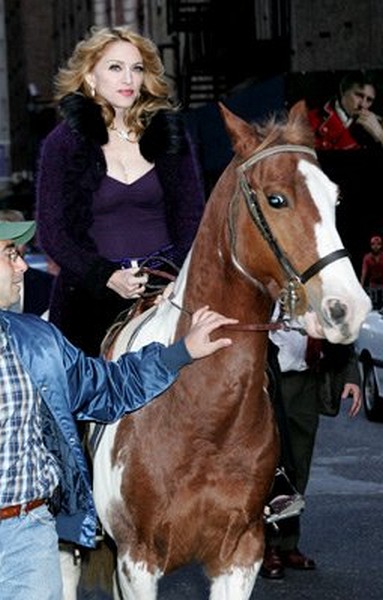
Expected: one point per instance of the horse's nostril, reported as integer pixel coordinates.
(337, 311)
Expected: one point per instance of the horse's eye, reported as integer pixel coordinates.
(277, 201)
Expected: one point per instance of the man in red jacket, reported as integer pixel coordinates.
(346, 122)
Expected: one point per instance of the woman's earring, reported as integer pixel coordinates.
(92, 91)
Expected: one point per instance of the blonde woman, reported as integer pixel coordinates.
(118, 183)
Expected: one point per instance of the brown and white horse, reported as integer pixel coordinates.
(186, 478)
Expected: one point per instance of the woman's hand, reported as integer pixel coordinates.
(127, 284)
(204, 322)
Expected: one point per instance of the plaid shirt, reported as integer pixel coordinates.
(27, 470)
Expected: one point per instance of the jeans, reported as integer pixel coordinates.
(29, 557)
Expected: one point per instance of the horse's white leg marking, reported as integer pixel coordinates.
(135, 582)
(236, 585)
(70, 573)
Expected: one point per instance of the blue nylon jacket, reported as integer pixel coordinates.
(76, 387)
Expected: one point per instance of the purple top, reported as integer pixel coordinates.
(128, 210)
(71, 169)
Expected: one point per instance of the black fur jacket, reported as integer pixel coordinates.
(71, 168)
(164, 135)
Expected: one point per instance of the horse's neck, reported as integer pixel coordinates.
(216, 281)
(214, 275)
(213, 279)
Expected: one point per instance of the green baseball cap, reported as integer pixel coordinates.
(19, 232)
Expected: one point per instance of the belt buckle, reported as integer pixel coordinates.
(23, 510)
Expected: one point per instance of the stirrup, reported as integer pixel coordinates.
(284, 507)
(284, 500)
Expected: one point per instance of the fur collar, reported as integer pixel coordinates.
(165, 134)
(84, 116)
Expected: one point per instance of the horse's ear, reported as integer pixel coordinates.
(299, 120)
(242, 134)
(299, 112)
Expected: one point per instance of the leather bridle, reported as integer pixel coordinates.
(294, 279)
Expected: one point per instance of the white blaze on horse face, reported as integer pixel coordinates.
(344, 304)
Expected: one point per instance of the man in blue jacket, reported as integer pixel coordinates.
(46, 384)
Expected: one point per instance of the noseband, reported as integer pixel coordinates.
(295, 281)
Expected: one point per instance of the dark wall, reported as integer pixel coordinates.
(358, 174)
(252, 103)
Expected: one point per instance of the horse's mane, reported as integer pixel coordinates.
(280, 129)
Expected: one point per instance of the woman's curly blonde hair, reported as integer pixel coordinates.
(155, 91)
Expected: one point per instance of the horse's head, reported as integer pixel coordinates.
(286, 199)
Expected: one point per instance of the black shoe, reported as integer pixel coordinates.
(272, 567)
(294, 559)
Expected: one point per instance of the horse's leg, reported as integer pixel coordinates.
(236, 582)
(235, 585)
(134, 581)
(70, 572)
